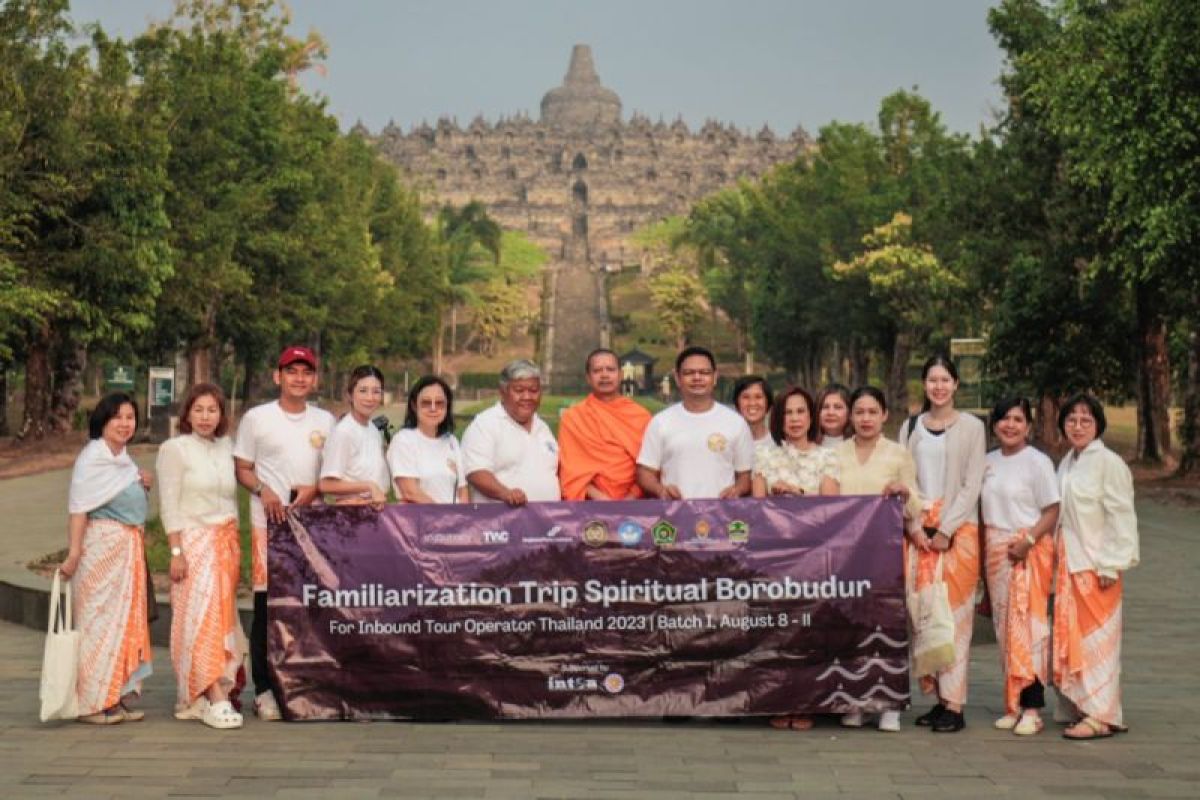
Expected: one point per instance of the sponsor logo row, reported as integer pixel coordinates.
(597, 533)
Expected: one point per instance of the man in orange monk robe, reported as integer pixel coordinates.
(599, 439)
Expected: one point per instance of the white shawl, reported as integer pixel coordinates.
(99, 476)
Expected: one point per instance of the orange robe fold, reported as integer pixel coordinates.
(1020, 595)
(960, 571)
(598, 442)
(1087, 641)
(205, 632)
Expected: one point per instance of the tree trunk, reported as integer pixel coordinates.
(437, 343)
(897, 385)
(1154, 378)
(249, 381)
(1190, 431)
(37, 385)
(453, 328)
(67, 386)
(860, 365)
(3, 398)
(749, 365)
(199, 364)
(1045, 434)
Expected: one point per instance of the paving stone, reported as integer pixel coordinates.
(646, 760)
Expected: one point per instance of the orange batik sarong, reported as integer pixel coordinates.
(1087, 642)
(598, 442)
(1020, 596)
(205, 640)
(109, 604)
(960, 572)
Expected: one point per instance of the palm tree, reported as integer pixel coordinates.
(468, 241)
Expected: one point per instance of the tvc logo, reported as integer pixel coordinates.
(495, 537)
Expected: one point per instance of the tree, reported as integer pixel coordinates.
(244, 151)
(718, 228)
(85, 224)
(468, 241)
(909, 280)
(1030, 242)
(677, 295)
(1118, 84)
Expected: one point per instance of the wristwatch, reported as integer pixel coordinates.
(257, 490)
(176, 551)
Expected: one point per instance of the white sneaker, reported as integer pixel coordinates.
(194, 711)
(1007, 722)
(889, 721)
(1030, 724)
(222, 716)
(266, 708)
(854, 719)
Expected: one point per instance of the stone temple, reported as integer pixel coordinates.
(579, 181)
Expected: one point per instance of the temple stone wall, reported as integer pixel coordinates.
(581, 179)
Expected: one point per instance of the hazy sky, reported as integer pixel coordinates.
(781, 62)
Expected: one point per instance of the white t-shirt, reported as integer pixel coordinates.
(929, 454)
(285, 448)
(436, 463)
(354, 452)
(1016, 488)
(699, 453)
(520, 459)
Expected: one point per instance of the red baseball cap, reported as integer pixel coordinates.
(295, 353)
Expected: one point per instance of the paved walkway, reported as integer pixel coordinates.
(1160, 757)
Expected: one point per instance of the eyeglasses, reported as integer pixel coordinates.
(1079, 422)
(431, 405)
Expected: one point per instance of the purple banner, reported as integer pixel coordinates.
(637, 608)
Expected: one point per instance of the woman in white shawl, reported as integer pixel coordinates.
(106, 560)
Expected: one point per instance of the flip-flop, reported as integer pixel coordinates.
(1098, 730)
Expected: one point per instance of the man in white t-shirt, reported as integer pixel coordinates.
(697, 447)
(277, 455)
(509, 453)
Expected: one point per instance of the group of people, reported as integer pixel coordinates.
(1031, 532)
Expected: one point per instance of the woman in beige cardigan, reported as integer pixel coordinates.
(949, 449)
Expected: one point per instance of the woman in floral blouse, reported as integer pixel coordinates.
(798, 465)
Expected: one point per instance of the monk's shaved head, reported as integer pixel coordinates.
(600, 351)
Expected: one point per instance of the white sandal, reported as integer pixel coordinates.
(194, 711)
(221, 716)
(1007, 722)
(1030, 724)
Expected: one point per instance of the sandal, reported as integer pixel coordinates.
(132, 714)
(1028, 725)
(109, 716)
(221, 716)
(1095, 728)
(798, 723)
(1007, 722)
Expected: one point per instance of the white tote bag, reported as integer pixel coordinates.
(60, 659)
(932, 622)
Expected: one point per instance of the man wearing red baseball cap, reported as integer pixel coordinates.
(278, 460)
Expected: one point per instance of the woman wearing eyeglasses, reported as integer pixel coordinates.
(1097, 542)
(425, 458)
